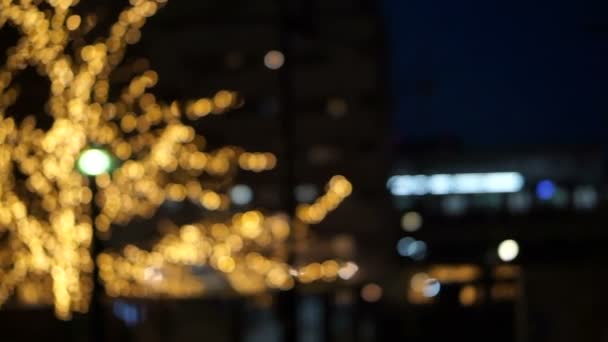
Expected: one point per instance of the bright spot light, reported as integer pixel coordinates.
(545, 190)
(241, 194)
(371, 293)
(411, 221)
(274, 59)
(348, 270)
(431, 288)
(460, 183)
(508, 250)
(94, 161)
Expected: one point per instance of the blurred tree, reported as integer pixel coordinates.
(141, 152)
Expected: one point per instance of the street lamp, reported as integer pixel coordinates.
(93, 162)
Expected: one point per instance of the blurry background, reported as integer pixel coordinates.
(473, 134)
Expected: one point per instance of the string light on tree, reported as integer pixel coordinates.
(46, 219)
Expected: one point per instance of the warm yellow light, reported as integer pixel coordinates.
(411, 221)
(73, 22)
(163, 158)
(274, 59)
(371, 293)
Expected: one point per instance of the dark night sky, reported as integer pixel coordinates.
(502, 72)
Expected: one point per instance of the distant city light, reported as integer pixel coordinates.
(462, 183)
(241, 194)
(431, 288)
(418, 280)
(411, 221)
(545, 189)
(519, 202)
(274, 59)
(403, 246)
(348, 271)
(94, 161)
(560, 198)
(508, 250)
(585, 197)
(417, 250)
(306, 193)
(126, 312)
(412, 248)
(371, 293)
(336, 107)
(468, 295)
(454, 205)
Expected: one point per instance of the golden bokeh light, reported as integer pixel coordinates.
(46, 214)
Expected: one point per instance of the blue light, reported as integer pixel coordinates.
(126, 312)
(404, 245)
(412, 248)
(545, 190)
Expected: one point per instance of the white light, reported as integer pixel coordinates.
(461, 183)
(439, 184)
(274, 59)
(94, 161)
(411, 221)
(431, 288)
(241, 194)
(348, 270)
(508, 250)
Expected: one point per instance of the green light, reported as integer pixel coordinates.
(94, 161)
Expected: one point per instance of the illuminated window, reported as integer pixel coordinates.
(460, 183)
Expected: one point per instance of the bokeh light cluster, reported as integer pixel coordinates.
(46, 216)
